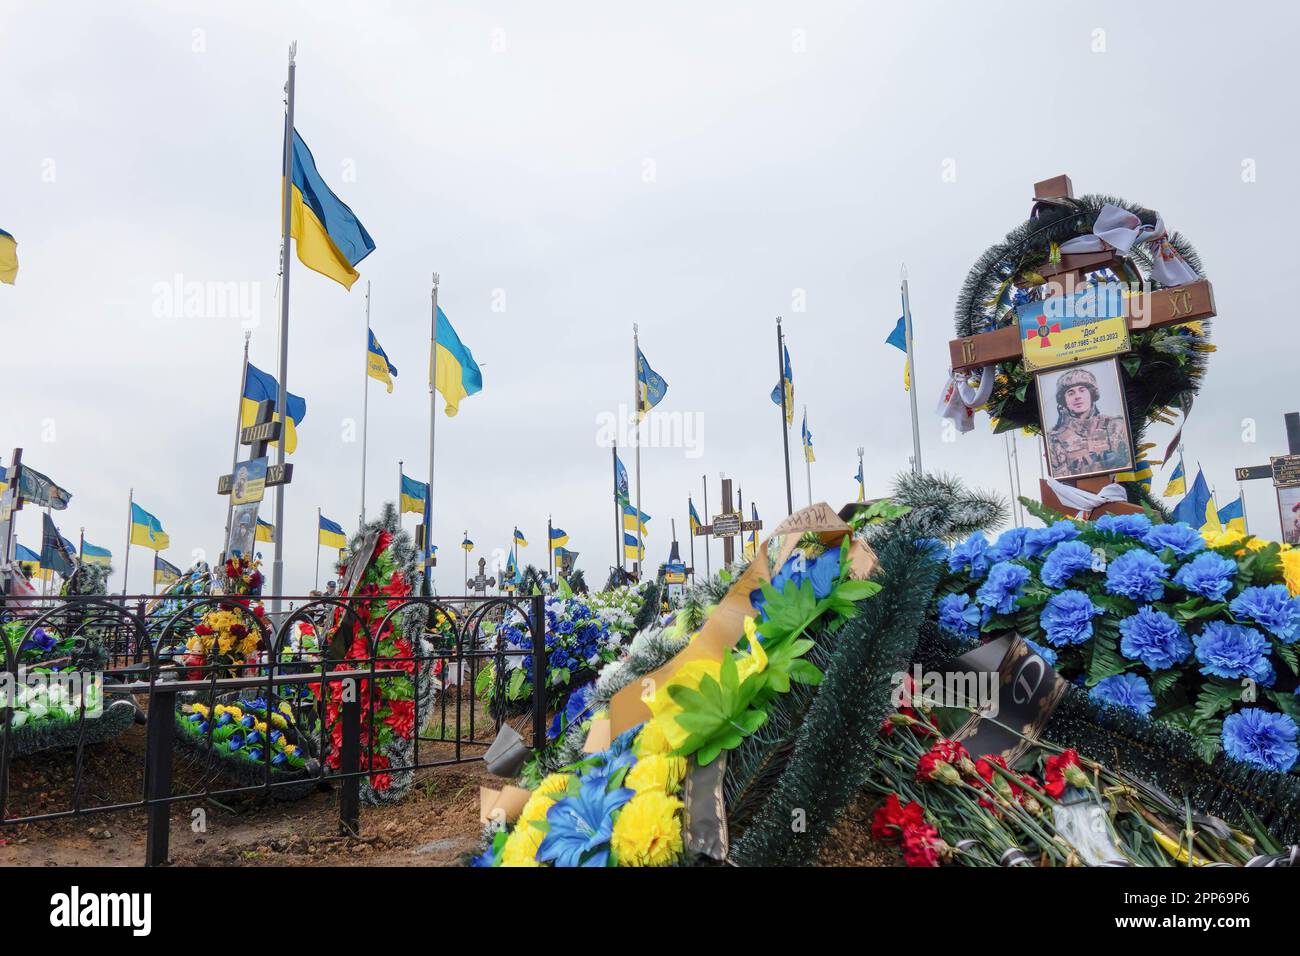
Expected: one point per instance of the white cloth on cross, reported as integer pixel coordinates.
(1085, 501)
(1119, 229)
(959, 399)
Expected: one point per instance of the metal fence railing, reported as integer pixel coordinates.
(339, 692)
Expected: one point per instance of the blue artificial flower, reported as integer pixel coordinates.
(1208, 574)
(822, 571)
(1133, 526)
(1009, 546)
(575, 709)
(1154, 638)
(1002, 588)
(970, 555)
(1065, 561)
(1233, 651)
(39, 640)
(1261, 738)
(1125, 690)
(487, 858)
(566, 627)
(1272, 608)
(1038, 540)
(1067, 618)
(1182, 539)
(1137, 574)
(580, 826)
(960, 615)
(1046, 653)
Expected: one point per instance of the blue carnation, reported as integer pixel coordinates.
(822, 571)
(1182, 539)
(1002, 588)
(960, 615)
(1067, 618)
(1154, 638)
(1272, 608)
(1233, 651)
(1038, 540)
(1133, 526)
(1009, 546)
(1046, 653)
(1207, 574)
(1261, 738)
(1125, 690)
(1137, 574)
(1064, 562)
(970, 555)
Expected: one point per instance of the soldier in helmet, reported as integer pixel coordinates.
(1084, 441)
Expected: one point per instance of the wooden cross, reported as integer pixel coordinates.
(1165, 307)
(727, 524)
(480, 582)
(259, 435)
(1283, 469)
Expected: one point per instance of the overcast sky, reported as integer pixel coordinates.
(571, 169)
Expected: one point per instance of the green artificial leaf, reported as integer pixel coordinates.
(515, 687)
(563, 590)
(1215, 696)
(1164, 681)
(1288, 654)
(483, 683)
(855, 590)
(1103, 658)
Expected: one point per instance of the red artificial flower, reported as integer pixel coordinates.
(943, 762)
(892, 819)
(921, 846)
(383, 541)
(402, 718)
(202, 630)
(1061, 770)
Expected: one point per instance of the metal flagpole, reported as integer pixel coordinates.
(691, 533)
(433, 420)
(282, 392)
(365, 407)
(466, 552)
(81, 547)
(400, 483)
(911, 372)
(707, 570)
(1241, 496)
(785, 417)
(126, 563)
(636, 392)
(550, 549)
(1015, 459)
(234, 454)
(862, 484)
(807, 464)
(618, 525)
(316, 585)
(1015, 515)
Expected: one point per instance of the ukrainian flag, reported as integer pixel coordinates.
(414, 494)
(4, 478)
(630, 522)
(147, 530)
(1141, 474)
(1197, 505)
(260, 387)
(452, 369)
(331, 240)
(862, 484)
(559, 538)
(377, 364)
(787, 382)
(30, 562)
(520, 539)
(694, 517)
(331, 534)
(651, 387)
(94, 554)
(751, 546)
(8, 258)
(164, 572)
(807, 439)
(467, 545)
(1177, 483)
(1233, 515)
(265, 531)
(631, 549)
(898, 339)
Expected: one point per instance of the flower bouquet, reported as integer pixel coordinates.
(618, 608)
(246, 735)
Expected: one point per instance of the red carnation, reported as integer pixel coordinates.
(1063, 769)
(943, 762)
(383, 541)
(921, 846)
(892, 819)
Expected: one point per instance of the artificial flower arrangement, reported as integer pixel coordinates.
(624, 806)
(1052, 808)
(618, 607)
(1198, 630)
(248, 735)
(224, 639)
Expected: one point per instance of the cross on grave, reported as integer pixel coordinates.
(259, 435)
(480, 582)
(1283, 469)
(727, 524)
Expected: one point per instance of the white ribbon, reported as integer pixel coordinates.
(1119, 229)
(1085, 501)
(959, 400)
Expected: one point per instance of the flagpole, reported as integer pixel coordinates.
(618, 530)
(126, 563)
(911, 372)
(708, 571)
(234, 454)
(316, 581)
(806, 462)
(282, 392)
(1015, 516)
(691, 532)
(862, 482)
(1241, 496)
(433, 421)
(785, 417)
(550, 549)
(636, 405)
(466, 550)
(81, 547)
(400, 474)
(365, 406)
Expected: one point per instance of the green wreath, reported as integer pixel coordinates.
(1164, 370)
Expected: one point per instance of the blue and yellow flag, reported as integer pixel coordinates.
(331, 240)
(807, 440)
(146, 530)
(631, 549)
(260, 387)
(620, 481)
(265, 531)
(520, 539)
(1196, 504)
(377, 364)
(786, 383)
(1177, 483)
(751, 543)
(414, 494)
(8, 258)
(331, 534)
(898, 339)
(630, 519)
(1233, 515)
(696, 524)
(164, 572)
(30, 562)
(452, 369)
(650, 388)
(1141, 474)
(467, 544)
(559, 538)
(94, 554)
(862, 484)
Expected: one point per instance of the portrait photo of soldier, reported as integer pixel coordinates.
(1085, 425)
(1288, 503)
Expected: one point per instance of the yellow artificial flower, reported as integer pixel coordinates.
(657, 772)
(225, 642)
(278, 721)
(285, 708)
(200, 709)
(1222, 537)
(290, 749)
(650, 740)
(1291, 570)
(521, 847)
(259, 726)
(554, 785)
(648, 831)
(235, 713)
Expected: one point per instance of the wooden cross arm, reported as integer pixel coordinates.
(1165, 307)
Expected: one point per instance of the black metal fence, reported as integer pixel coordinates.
(318, 674)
